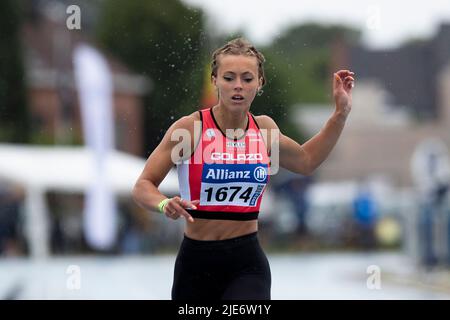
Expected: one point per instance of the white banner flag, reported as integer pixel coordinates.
(94, 83)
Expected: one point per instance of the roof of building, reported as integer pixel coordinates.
(408, 72)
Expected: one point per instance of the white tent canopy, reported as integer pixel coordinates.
(41, 168)
(70, 169)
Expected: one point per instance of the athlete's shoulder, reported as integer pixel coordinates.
(265, 122)
(187, 122)
(194, 115)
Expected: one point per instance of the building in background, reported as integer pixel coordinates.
(54, 106)
(401, 98)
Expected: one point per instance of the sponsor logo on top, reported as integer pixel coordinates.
(260, 174)
(235, 144)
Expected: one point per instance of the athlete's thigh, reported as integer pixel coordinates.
(254, 286)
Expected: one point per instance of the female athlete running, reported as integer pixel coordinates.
(224, 161)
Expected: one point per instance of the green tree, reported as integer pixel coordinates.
(14, 117)
(298, 69)
(163, 40)
(304, 53)
(275, 100)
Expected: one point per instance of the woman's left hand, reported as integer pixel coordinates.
(343, 84)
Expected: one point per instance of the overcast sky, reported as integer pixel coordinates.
(384, 23)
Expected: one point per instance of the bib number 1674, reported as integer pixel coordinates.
(228, 194)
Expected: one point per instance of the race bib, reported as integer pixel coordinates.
(233, 184)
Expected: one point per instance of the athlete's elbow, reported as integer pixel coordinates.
(305, 171)
(311, 165)
(135, 192)
(138, 191)
(299, 169)
(306, 167)
(309, 172)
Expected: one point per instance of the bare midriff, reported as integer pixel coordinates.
(209, 229)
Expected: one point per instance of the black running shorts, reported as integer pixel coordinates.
(231, 269)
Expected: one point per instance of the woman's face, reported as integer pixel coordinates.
(237, 80)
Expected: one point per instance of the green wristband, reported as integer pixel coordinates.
(162, 204)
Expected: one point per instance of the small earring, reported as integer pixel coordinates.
(260, 92)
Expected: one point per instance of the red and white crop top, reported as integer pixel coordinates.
(229, 176)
